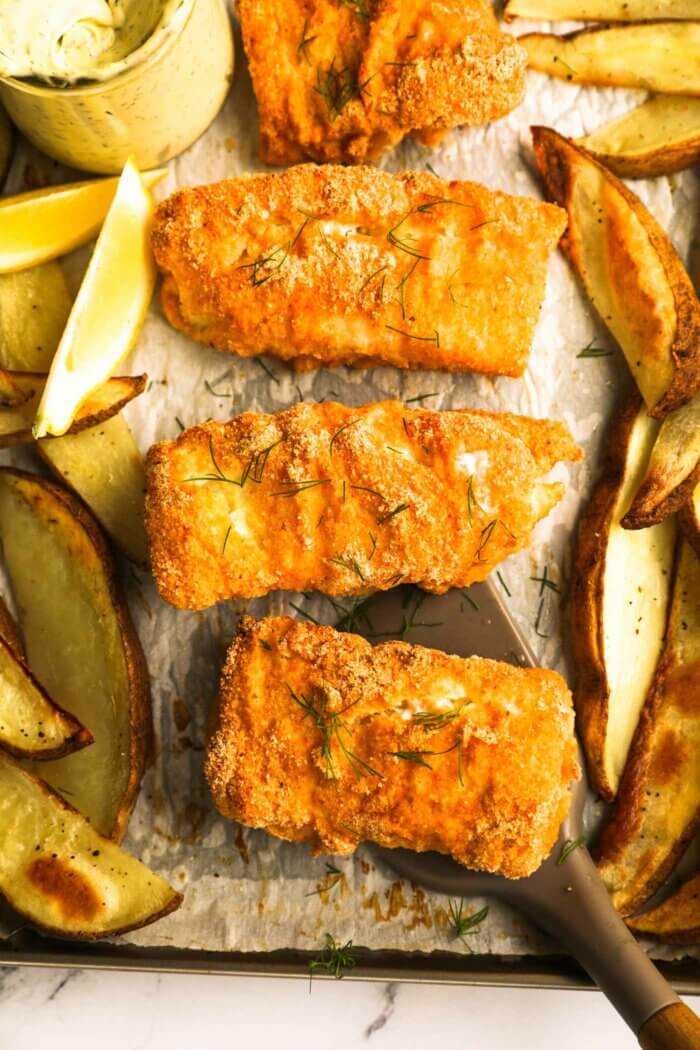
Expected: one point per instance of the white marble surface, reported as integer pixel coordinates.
(83, 1010)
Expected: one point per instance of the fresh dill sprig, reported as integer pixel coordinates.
(419, 397)
(266, 369)
(304, 42)
(546, 581)
(299, 487)
(432, 170)
(485, 222)
(228, 533)
(346, 561)
(215, 393)
(408, 620)
(180, 423)
(304, 613)
(351, 423)
(593, 351)
(468, 597)
(332, 727)
(472, 501)
(434, 338)
(373, 541)
(330, 880)
(364, 488)
(418, 757)
(405, 243)
(503, 583)
(337, 88)
(266, 266)
(430, 720)
(392, 513)
(255, 467)
(540, 610)
(217, 474)
(462, 924)
(334, 959)
(568, 848)
(329, 246)
(487, 533)
(371, 278)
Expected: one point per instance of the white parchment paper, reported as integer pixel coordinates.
(245, 890)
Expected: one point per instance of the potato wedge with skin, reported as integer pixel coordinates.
(9, 631)
(34, 309)
(11, 393)
(629, 269)
(659, 137)
(62, 875)
(658, 805)
(106, 469)
(673, 470)
(658, 56)
(600, 10)
(689, 520)
(31, 725)
(619, 604)
(80, 643)
(676, 920)
(16, 419)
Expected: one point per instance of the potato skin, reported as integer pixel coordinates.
(689, 520)
(676, 920)
(140, 717)
(553, 154)
(664, 161)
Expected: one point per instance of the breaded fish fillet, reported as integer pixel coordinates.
(345, 500)
(325, 266)
(320, 737)
(342, 80)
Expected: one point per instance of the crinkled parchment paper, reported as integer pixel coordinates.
(245, 890)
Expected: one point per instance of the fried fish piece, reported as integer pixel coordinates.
(329, 266)
(320, 737)
(345, 500)
(350, 78)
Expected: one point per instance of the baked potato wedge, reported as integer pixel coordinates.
(629, 269)
(106, 469)
(689, 520)
(657, 138)
(9, 631)
(676, 920)
(658, 805)
(600, 10)
(80, 642)
(34, 308)
(7, 140)
(658, 56)
(31, 725)
(16, 418)
(619, 603)
(62, 875)
(673, 469)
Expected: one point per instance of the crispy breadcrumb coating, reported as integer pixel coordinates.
(346, 500)
(326, 266)
(322, 738)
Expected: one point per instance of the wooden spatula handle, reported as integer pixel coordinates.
(675, 1027)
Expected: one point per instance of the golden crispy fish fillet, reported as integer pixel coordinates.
(320, 737)
(329, 266)
(342, 80)
(345, 500)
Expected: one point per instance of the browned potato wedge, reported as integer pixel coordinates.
(673, 469)
(6, 144)
(657, 138)
(104, 466)
(34, 308)
(630, 270)
(676, 920)
(80, 643)
(689, 520)
(619, 604)
(31, 725)
(16, 419)
(658, 805)
(661, 56)
(9, 631)
(600, 10)
(63, 876)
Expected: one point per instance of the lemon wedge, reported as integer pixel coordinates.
(44, 224)
(109, 309)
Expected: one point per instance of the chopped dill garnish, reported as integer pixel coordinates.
(330, 880)
(401, 287)
(472, 501)
(337, 88)
(572, 72)
(430, 720)
(218, 474)
(180, 423)
(348, 619)
(299, 487)
(373, 540)
(392, 513)
(305, 614)
(351, 423)
(432, 170)
(503, 583)
(332, 727)
(406, 243)
(546, 581)
(419, 756)
(542, 634)
(593, 351)
(468, 597)
(419, 397)
(343, 497)
(304, 42)
(487, 533)
(462, 924)
(371, 277)
(408, 620)
(255, 467)
(435, 338)
(363, 488)
(334, 959)
(486, 222)
(228, 533)
(568, 848)
(215, 393)
(346, 561)
(265, 645)
(266, 266)
(266, 369)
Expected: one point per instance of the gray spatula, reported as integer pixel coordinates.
(567, 900)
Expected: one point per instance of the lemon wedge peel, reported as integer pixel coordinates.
(43, 224)
(109, 309)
